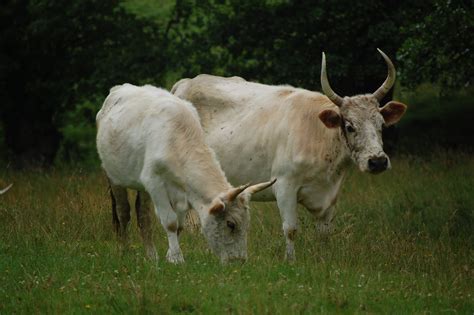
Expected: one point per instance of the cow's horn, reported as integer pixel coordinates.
(336, 99)
(258, 187)
(389, 81)
(5, 189)
(234, 192)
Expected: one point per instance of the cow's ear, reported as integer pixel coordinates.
(217, 207)
(392, 112)
(330, 118)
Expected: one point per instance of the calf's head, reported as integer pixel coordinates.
(227, 225)
(361, 120)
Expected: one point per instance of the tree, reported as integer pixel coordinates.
(281, 41)
(439, 47)
(54, 54)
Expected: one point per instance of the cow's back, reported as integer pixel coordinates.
(218, 97)
(137, 125)
(258, 131)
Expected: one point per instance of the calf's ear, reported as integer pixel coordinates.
(217, 207)
(330, 118)
(392, 112)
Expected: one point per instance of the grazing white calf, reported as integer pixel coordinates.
(150, 140)
(304, 139)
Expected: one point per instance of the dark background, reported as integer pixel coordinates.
(58, 59)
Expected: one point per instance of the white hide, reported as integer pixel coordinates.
(260, 131)
(152, 141)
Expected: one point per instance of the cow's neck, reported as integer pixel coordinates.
(205, 184)
(342, 156)
(335, 158)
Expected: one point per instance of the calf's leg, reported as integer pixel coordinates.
(168, 218)
(120, 213)
(142, 207)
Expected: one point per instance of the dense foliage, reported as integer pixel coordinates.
(56, 55)
(282, 42)
(58, 59)
(439, 47)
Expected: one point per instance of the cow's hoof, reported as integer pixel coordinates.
(324, 229)
(175, 258)
(290, 256)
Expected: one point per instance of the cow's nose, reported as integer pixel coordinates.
(378, 164)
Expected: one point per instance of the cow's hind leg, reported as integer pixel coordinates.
(120, 213)
(142, 207)
(324, 226)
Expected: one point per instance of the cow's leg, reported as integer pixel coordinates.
(120, 212)
(142, 207)
(324, 222)
(286, 197)
(168, 218)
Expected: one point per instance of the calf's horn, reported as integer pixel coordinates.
(234, 192)
(257, 187)
(389, 81)
(336, 99)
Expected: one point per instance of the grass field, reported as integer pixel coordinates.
(403, 244)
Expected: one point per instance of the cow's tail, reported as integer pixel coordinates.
(115, 219)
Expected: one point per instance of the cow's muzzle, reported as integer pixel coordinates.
(377, 164)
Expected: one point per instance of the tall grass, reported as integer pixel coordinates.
(403, 244)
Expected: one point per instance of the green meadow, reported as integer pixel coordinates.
(403, 243)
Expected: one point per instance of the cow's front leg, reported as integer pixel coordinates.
(168, 218)
(286, 196)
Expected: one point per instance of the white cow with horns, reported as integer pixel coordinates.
(304, 139)
(152, 141)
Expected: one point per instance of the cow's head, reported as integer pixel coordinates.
(227, 225)
(361, 120)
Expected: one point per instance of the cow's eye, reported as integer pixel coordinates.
(231, 225)
(349, 128)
